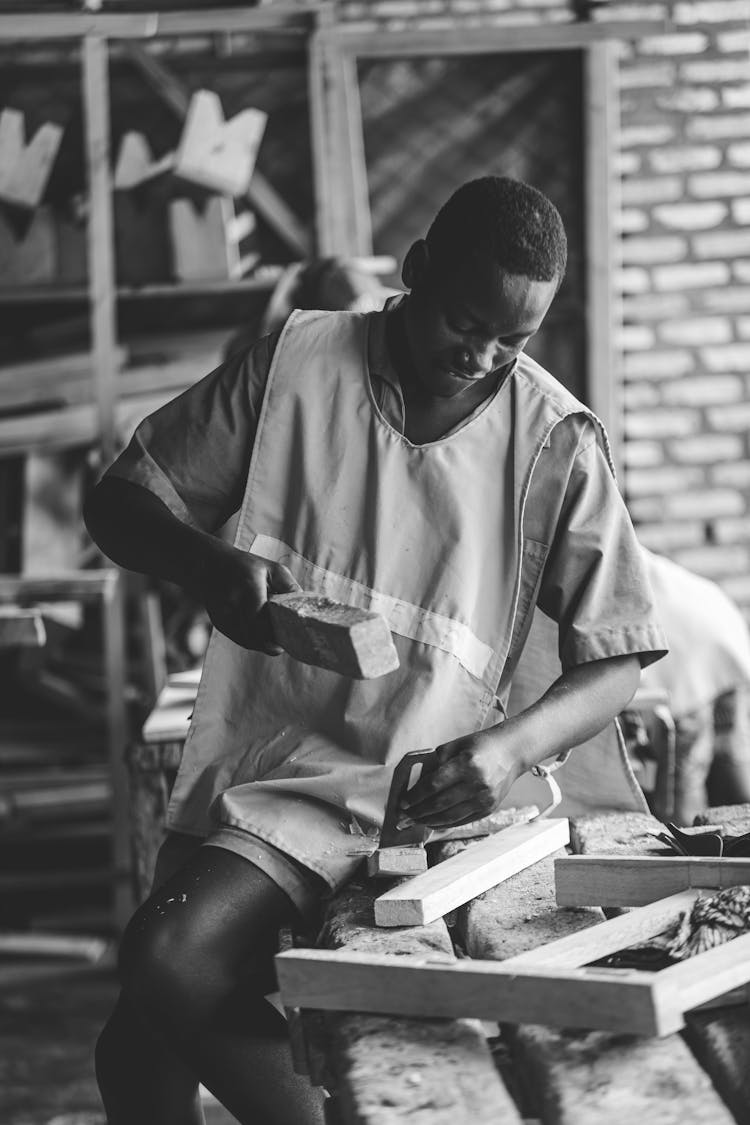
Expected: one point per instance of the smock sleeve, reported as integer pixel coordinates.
(594, 583)
(194, 453)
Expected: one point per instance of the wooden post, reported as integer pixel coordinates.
(600, 204)
(100, 237)
(113, 636)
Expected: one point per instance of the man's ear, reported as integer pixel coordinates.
(416, 265)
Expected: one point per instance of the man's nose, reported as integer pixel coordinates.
(482, 355)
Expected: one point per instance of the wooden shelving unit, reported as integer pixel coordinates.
(98, 38)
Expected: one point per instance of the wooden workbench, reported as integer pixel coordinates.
(384, 1070)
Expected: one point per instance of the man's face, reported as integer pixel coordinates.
(462, 329)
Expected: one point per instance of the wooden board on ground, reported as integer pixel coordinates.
(386, 1069)
(637, 880)
(630, 1001)
(480, 866)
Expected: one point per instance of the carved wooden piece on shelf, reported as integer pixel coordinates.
(28, 259)
(206, 243)
(135, 162)
(25, 168)
(216, 153)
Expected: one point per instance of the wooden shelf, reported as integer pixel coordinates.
(53, 293)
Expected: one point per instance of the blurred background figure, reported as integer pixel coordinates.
(706, 677)
(331, 284)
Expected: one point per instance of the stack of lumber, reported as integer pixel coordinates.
(50, 402)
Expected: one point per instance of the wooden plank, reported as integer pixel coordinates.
(637, 880)
(389, 863)
(480, 40)
(710, 974)
(479, 867)
(608, 937)
(623, 1001)
(144, 25)
(60, 379)
(21, 628)
(100, 237)
(72, 25)
(73, 426)
(90, 949)
(83, 585)
(25, 167)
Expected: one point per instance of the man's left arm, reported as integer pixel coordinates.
(469, 776)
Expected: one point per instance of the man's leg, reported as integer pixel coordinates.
(141, 1080)
(196, 962)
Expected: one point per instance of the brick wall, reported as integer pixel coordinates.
(683, 233)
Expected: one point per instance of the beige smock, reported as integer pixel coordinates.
(431, 536)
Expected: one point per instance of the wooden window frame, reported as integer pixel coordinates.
(341, 187)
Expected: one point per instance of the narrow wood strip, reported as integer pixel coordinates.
(637, 880)
(479, 867)
(608, 937)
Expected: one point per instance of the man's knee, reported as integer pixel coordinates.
(154, 962)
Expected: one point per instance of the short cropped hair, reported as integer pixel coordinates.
(508, 221)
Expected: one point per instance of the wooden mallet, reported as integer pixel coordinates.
(329, 634)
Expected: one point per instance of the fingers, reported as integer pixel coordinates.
(463, 813)
(281, 580)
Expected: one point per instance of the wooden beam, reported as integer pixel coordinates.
(102, 284)
(468, 874)
(473, 40)
(144, 25)
(600, 129)
(80, 585)
(637, 880)
(334, 981)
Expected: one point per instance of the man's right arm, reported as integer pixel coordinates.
(137, 530)
(157, 508)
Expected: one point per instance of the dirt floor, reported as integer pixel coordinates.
(47, 1035)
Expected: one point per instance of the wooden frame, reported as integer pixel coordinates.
(549, 985)
(343, 222)
(464, 876)
(636, 880)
